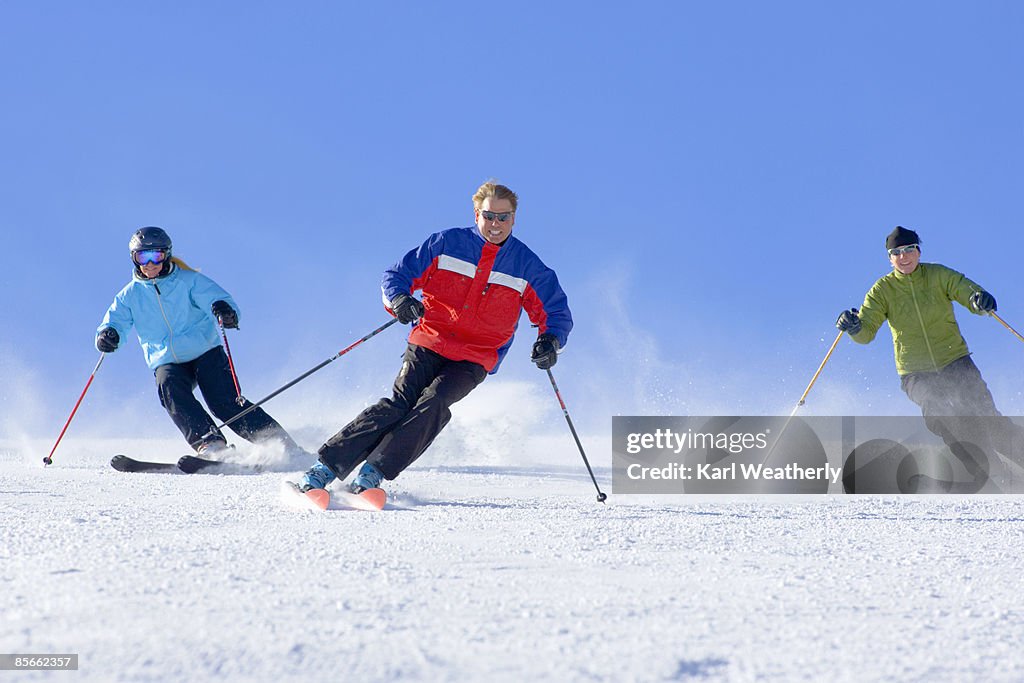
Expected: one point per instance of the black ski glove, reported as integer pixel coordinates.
(108, 340)
(225, 314)
(849, 321)
(406, 308)
(545, 351)
(983, 301)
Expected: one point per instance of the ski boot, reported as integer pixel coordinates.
(318, 477)
(212, 448)
(369, 477)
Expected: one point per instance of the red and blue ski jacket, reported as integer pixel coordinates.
(473, 294)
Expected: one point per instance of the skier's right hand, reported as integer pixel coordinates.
(406, 308)
(849, 321)
(107, 340)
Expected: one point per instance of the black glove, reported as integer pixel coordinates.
(406, 308)
(849, 321)
(983, 301)
(545, 351)
(108, 340)
(225, 314)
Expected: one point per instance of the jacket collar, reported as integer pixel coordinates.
(150, 282)
(484, 242)
(912, 277)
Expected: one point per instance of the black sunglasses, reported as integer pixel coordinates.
(500, 217)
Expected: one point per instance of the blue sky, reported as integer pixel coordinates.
(713, 183)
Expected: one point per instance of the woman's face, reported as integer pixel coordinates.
(150, 262)
(151, 270)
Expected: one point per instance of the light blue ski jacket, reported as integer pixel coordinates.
(171, 315)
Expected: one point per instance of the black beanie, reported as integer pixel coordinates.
(901, 237)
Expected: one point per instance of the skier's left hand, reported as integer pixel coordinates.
(107, 340)
(545, 351)
(983, 301)
(225, 314)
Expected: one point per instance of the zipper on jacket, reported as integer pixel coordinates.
(482, 276)
(920, 319)
(170, 330)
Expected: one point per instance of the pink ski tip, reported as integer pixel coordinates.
(375, 498)
(319, 497)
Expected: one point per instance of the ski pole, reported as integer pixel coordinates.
(301, 377)
(1004, 323)
(803, 397)
(48, 460)
(601, 497)
(240, 400)
(821, 367)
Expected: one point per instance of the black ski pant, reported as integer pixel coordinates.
(176, 383)
(392, 433)
(957, 406)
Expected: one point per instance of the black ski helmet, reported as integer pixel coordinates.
(151, 238)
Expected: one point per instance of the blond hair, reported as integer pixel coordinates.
(181, 264)
(492, 189)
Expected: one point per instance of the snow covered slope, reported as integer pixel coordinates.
(497, 573)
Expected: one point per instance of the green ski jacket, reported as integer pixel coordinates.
(919, 308)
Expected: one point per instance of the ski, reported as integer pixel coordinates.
(122, 463)
(371, 500)
(189, 464)
(315, 500)
(319, 500)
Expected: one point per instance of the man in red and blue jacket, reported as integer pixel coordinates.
(475, 281)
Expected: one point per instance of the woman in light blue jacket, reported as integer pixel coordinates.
(174, 310)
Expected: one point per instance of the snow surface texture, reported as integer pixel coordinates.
(495, 572)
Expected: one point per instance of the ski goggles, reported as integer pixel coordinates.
(899, 251)
(146, 256)
(500, 217)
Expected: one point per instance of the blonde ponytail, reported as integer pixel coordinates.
(181, 264)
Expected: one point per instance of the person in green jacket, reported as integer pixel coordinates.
(932, 359)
